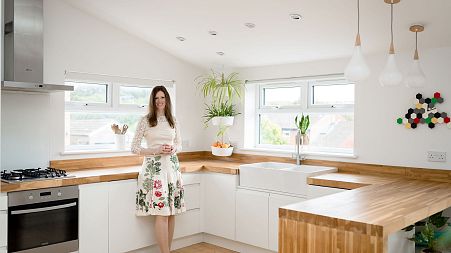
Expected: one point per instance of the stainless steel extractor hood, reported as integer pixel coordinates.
(23, 47)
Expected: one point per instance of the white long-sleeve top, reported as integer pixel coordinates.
(156, 136)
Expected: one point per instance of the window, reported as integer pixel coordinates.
(328, 100)
(94, 106)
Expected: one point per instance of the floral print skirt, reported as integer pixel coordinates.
(160, 187)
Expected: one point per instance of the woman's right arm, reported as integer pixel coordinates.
(136, 147)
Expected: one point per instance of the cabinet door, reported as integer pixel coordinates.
(276, 201)
(192, 196)
(252, 217)
(127, 231)
(3, 202)
(189, 222)
(93, 218)
(218, 204)
(319, 191)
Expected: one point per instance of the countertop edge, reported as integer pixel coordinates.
(109, 175)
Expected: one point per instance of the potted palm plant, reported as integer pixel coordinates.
(222, 90)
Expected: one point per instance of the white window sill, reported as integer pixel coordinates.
(304, 153)
(99, 151)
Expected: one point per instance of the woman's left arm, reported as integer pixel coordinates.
(177, 139)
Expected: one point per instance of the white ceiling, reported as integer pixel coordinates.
(327, 30)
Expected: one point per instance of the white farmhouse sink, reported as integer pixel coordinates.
(281, 177)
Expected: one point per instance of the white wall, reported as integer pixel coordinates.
(76, 41)
(378, 139)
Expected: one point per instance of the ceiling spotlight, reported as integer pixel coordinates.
(180, 38)
(220, 53)
(213, 33)
(295, 16)
(250, 25)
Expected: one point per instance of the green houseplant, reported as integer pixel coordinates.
(302, 125)
(222, 90)
(428, 236)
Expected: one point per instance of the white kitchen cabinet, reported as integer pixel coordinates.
(187, 223)
(3, 250)
(218, 199)
(3, 220)
(252, 217)
(276, 201)
(315, 191)
(93, 218)
(127, 232)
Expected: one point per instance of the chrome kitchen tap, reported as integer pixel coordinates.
(297, 148)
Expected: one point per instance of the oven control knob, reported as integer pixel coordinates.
(59, 194)
(30, 197)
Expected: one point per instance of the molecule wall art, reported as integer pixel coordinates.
(425, 112)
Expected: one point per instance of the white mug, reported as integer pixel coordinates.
(120, 141)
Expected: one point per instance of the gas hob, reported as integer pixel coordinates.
(25, 175)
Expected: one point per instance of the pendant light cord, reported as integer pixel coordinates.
(358, 16)
(391, 23)
(416, 40)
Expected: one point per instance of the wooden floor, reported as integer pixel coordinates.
(203, 248)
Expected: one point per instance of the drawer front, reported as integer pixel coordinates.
(191, 178)
(192, 196)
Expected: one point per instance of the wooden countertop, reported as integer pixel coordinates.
(359, 220)
(388, 208)
(350, 181)
(88, 176)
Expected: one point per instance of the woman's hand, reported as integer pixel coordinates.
(166, 149)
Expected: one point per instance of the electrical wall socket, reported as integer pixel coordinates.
(435, 156)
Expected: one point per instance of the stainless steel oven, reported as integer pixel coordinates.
(43, 221)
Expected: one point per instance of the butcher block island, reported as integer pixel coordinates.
(358, 220)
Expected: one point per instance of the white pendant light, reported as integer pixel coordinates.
(391, 76)
(415, 77)
(357, 69)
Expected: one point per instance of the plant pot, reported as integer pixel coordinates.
(430, 251)
(221, 151)
(224, 121)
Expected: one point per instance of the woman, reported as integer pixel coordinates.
(160, 186)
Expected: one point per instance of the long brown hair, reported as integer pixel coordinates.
(152, 115)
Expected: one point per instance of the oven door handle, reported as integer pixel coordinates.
(43, 209)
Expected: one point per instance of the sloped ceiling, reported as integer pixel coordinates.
(327, 28)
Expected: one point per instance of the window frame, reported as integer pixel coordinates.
(75, 105)
(112, 106)
(307, 85)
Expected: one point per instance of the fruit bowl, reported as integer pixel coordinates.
(217, 151)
